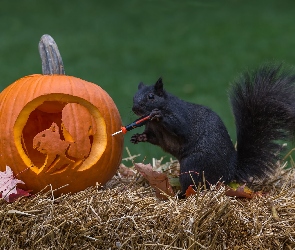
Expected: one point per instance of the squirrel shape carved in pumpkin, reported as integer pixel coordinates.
(71, 152)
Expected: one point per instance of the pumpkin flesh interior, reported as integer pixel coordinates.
(56, 132)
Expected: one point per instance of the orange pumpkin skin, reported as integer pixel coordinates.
(56, 129)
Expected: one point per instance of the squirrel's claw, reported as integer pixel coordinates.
(136, 138)
(156, 114)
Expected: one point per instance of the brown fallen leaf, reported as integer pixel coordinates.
(233, 190)
(125, 171)
(240, 191)
(159, 181)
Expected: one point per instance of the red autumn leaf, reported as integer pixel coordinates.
(19, 193)
(159, 181)
(190, 191)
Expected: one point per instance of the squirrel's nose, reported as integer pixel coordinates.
(135, 108)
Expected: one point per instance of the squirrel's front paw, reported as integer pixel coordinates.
(156, 114)
(136, 138)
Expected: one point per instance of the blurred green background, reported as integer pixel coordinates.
(198, 47)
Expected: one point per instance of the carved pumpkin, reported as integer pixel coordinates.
(56, 129)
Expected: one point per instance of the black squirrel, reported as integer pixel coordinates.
(263, 104)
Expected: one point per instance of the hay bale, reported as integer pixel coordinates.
(128, 216)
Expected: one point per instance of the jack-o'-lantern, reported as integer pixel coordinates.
(56, 129)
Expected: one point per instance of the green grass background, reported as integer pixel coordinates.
(198, 47)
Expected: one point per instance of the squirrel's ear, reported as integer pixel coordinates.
(54, 127)
(140, 85)
(159, 87)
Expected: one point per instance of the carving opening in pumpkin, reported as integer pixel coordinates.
(61, 141)
(59, 135)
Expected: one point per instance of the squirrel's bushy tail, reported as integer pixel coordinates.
(263, 104)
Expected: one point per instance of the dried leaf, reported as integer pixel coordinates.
(125, 171)
(234, 190)
(8, 183)
(240, 191)
(190, 191)
(159, 181)
(19, 193)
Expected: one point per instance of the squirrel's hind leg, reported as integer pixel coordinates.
(191, 173)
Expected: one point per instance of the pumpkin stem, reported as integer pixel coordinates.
(50, 56)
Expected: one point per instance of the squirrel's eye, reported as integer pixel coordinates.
(151, 96)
